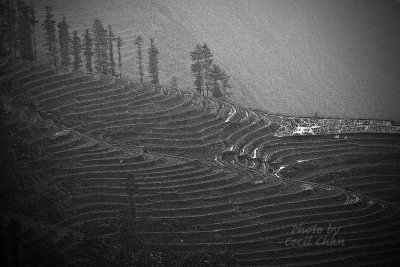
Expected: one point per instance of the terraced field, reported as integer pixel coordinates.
(216, 171)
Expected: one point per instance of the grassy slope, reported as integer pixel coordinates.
(337, 58)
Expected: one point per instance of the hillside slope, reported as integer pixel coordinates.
(334, 58)
(197, 174)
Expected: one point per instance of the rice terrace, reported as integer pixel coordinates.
(121, 147)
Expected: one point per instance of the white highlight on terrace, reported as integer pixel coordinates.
(307, 187)
(61, 133)
(254, 155)
(231, 113)
(245, 116)
(277, 172)
(305, 130)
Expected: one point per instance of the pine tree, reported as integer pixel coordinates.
(219, 82)
(216, 78)
(153, 63)
(132, 190)
(129, 239)
(25, 31)
(50, 36)
(196, 68)
(111, 50)
(87, 51)
(96, 29)
(105, 59)
(33, 22)
(139, 42)
(76, 51)
(100, 47)
(206, 66)
(64, 39)
(11, 29)
(225, 84)
(119, 44)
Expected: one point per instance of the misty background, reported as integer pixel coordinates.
(334, 58)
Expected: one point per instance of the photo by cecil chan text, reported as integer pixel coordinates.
(315, 236)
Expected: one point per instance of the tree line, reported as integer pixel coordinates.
(209, 77)
(96, 46)
(63, 50)
(94, 50)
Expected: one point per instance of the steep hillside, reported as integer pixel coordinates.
(334, 58)
(101, 165)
